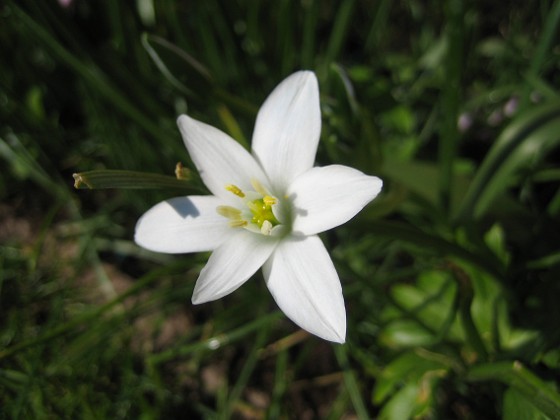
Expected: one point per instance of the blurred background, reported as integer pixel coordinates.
(450, 277)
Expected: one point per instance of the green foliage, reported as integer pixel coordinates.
(450, 276)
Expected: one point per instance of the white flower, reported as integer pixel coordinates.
(266, 209)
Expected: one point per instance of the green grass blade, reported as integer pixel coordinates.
(214, 342)
(280, 385)
(442, 247)
(162, 67)
(85, 318)
(450, 101)
(544, 45)
(351, 382)
(246, 371)
(310, 19)
(522, 379)
(378, 25)
(340, 31)
(526, 138)
(91, 74)
(22, 162)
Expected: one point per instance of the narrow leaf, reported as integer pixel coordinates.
(525, 140)
(443, 247)
(102, 179)
(524, 381)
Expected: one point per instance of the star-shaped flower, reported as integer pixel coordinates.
(266, 209)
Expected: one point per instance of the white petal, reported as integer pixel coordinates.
(182, 224)
(326, 197)
(303, 281)
(232, 264)
(288, 128)
(220, 160)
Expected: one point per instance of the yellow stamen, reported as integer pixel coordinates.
(269, 201)
(235, 190)
(260, 218)
(229, 212)
(238, 223)
(258, 187)
(255, 206)
(181, 172)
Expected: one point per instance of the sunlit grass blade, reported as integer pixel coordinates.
(162, 67)
(231, 125)
(216, 342)
(348, 88)
(200, 79)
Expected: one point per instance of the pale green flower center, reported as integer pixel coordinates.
(255, 212)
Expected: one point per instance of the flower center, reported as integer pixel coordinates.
(262, 211)
(256, 210)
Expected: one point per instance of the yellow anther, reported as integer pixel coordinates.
(254, 213)
(229, 212)
(238, 223)
(181, 172)
(269, 201)
(235, 190)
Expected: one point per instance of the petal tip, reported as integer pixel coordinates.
(377, 186)
(199, 295)
(339, 340)
(308, 74)
(331, 333)
(195, 300)
(337, 334)
(181, 119)
(288, 128)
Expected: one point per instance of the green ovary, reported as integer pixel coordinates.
(261, 215)
(262, 211)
